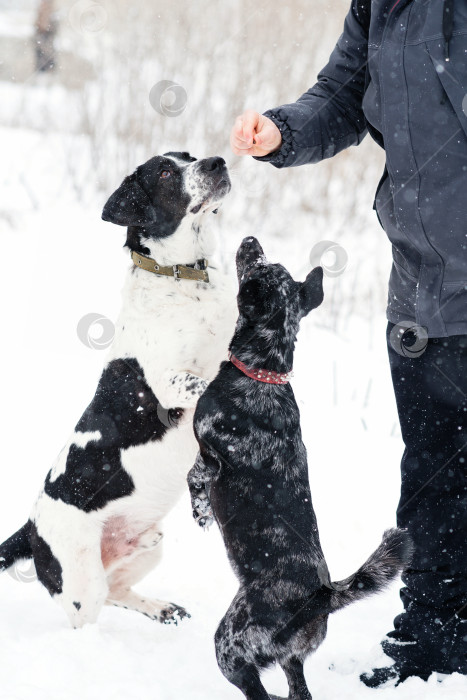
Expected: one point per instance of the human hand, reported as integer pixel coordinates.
(254, 135)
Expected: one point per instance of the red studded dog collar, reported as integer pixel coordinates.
(261, 375)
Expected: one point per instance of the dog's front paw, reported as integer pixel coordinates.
(172, 614)
(205, 521)
(202, 512)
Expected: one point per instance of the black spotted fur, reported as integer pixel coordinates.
(94, 474)
(251, 476)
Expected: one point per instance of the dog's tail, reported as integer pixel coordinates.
(18, 546)
(387, 561)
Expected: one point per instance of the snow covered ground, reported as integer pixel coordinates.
(53, 272)
(61, 262)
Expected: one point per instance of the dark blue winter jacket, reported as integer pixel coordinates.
(399, 71)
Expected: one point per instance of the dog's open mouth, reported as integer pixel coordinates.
(211, 202)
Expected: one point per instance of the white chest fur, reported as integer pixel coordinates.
(170, 327)
(174, 326)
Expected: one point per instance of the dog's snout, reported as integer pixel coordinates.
(211, 182)
(212, 164)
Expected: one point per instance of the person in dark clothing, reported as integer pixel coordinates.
(399, 72)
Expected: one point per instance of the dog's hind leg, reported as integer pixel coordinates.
(236, 660)
(160, 610)
(79, 586)
(70, 568)
(246, 678)
(132, 569)
(293, 669)
(84, 589)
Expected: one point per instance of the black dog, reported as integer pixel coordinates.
(251, 475)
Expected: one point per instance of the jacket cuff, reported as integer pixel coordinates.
(279, 157)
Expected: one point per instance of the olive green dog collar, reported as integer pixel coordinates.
(197, 272)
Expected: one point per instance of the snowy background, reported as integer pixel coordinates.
(67, 139)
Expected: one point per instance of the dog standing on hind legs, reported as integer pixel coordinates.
(96, 528)
(251, 476)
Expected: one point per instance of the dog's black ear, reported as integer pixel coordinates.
(311, 291)
(249, 252)
(129, 205)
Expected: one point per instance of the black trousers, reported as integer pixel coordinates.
(431, 396)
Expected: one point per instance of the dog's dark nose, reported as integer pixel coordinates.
(216, 163)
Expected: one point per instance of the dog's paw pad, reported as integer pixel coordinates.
(172, 614)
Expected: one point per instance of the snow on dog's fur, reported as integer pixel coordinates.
(251, 475)
(95, 529)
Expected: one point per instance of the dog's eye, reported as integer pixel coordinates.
(165, 174)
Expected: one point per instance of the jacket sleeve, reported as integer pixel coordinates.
(329, 116)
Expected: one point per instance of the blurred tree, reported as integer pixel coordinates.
(138, 78)
(45, 30)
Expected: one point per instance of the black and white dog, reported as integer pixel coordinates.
(251, 476)
(95, 529)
